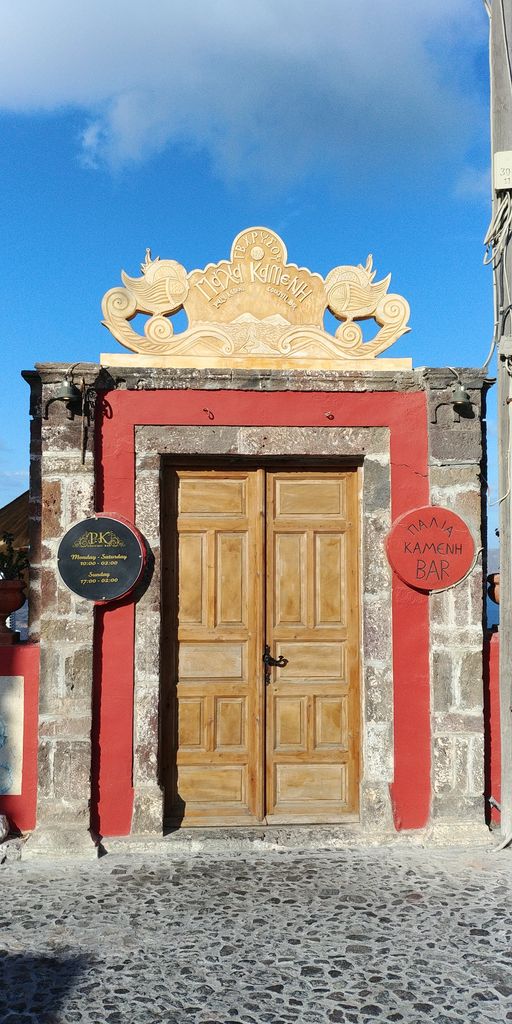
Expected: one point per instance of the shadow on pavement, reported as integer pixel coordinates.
(33, 988)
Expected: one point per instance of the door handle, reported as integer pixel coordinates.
(269, 662)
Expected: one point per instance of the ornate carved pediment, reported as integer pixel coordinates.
(255, 309)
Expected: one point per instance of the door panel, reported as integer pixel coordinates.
(220, 687)
(286, 542)
(312, 771)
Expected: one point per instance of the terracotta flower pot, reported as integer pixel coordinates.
(12, 597)
(493, 587)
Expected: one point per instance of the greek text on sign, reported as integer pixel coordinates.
(254, 308)
(430, 548)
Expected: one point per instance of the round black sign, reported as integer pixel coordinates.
(101, 558)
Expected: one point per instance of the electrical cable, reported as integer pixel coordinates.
(504, 843)
(499, 231)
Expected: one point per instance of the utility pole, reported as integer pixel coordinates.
(501, 142)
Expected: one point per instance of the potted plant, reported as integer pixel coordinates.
(13, 563)
(493, 587)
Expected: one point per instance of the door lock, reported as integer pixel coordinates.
(269, 662)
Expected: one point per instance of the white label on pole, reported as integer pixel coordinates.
(503, 170)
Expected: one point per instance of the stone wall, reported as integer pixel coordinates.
(62, 492)
(458, 481)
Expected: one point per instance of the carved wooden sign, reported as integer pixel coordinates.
(254, 309)
(101, 558)
(430, 548)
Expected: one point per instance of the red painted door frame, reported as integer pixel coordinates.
(119, 412)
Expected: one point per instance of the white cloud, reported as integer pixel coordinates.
(264, 87)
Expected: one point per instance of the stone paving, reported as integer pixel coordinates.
(384, 934)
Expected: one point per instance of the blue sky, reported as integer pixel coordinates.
(347, 128)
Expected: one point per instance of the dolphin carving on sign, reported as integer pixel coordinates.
(351, 293)
(162, 288)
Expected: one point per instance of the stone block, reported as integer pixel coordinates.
(376, 568)
(66, 464)
(147, 811)
(72, 769)
(147, 713)
(148, 593)
(471, 680)
(50, 676)
(450, 636)
(378, 752)
(376, 810)
(79, 498)
(145, 764)
(457, 443)
(476, 766)
(457, 807)
(148, 504)
(48, 591)
(45, 769)
(461, 763)
(83, 609)
(35, 431)
(477, 594)
(65, 600)
(65, 707)
(378, 692)
(462, 607)
(351, 441)
(67, 630)
(148, 463)
(51, 508)
(49, 552)
(377, 487)
(442, 763)
(55, 842)
(63, 814)
(65, 437)
(72, 728)
(147, 647)
(34, 601)
(34, 629)
(452, 477)
(468, 505)
(457, 722)
(78, 674)
(34, 535)
(441, 608)
(443, 671)
(377, 629)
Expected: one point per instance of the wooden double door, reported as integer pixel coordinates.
(261, 704)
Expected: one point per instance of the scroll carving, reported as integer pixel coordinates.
(255, 306)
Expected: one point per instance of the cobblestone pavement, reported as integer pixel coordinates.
(383, 934)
